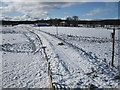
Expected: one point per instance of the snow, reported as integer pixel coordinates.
(98, 41)
(0, 69)
(0, 60)
(80, 31)
(83, 59)
(68, 66)
(22, 70)
(21, 66)
(100, 48)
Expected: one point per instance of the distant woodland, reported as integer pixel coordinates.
(68, 22)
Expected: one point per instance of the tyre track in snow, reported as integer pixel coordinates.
(40, 42)
(111, 71)
(68, 64)
(25, 70)
(45, 56)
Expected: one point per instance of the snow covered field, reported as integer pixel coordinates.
(78, 57)
(21, 65)
(97, 41)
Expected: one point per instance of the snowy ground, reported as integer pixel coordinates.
(83, 59)
(97, 41)
(21, 65)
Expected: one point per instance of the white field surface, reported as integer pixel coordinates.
(81, 31)
(81, 61)
(97, 41)
(21, 65)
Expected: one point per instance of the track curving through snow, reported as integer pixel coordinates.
(24, 70)
(72, 68)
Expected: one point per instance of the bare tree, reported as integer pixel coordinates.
(75, 18)
(75, 21)
(69, 19)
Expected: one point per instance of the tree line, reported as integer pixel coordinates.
(69, 22)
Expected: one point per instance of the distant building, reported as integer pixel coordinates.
(63, 23)
(41, 24)
(14, 24)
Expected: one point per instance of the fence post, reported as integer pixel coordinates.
(49, 70)
(57, 30)
(113, 45)
(51, 85)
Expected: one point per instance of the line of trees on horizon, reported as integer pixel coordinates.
(69, 21)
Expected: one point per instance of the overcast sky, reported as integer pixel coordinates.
(32, 10)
